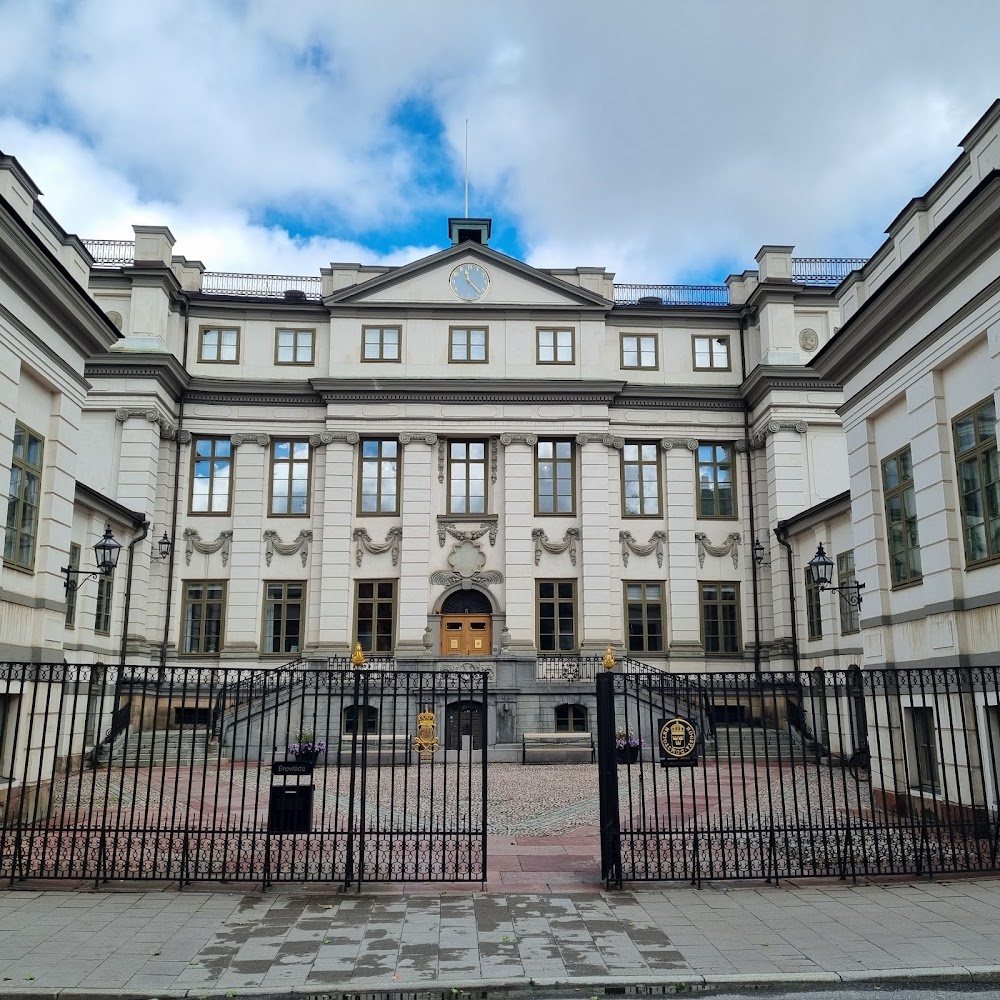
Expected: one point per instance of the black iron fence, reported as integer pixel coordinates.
(291, 774)
(847, 773)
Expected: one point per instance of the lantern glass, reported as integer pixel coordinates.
(164, 545)
(106, 553)
(821, 567)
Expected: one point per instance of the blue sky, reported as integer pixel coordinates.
(664, 141)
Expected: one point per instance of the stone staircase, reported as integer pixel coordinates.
(158, 747)
(752, 743)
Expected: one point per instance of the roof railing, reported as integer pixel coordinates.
(269, 286)
(825, 270)
(111, 253)
(671, 295)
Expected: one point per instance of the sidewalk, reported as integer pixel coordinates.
(203, 943)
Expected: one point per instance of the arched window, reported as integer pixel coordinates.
(571, 719)
(351, 714)
(466, 602)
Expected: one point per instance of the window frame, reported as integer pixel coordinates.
(642, 463)
(639, 366)
(711, 366)
(900, 491)
(187, 602)
(272, 446)
(452, 330)
(846, 577)
(379, 459)
(283, 602)
(555, 331)
(567, 715)
(922, 760)
(382, 359)
(555, 478)
(69, 618)
(814, 608)
(558, 601)
(977, 453)
(468, 462)
(104, 603)
(375, 599)
(645, 602)
(703, 602)
(208, 328)
(295, 330)
(27, 470)
(214, 438)
(715, 464)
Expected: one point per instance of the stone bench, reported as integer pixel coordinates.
(557, 747)
(377, 748)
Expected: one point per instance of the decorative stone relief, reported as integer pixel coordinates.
(452, 528)
(442, 448)
(529, 439)
(610, 440)
(193, 543)
(494, 456)
(327, 437)
(116, 318)
(758, 438)
(731, 546)
(393, 538)
(444, 667)
(467, 560)
(164, 426)
(655, 544)
(569, 541)
(690, 443)
(237, 439)
(274, 544)
(428, 439)
(808, 340)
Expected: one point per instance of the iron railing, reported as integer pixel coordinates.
(269, 286)
(111, 253)
(824, 270)
(671, 295)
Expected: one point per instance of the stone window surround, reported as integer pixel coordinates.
(210, 328)
(720, 603)
(375, 600)
(295, 331)
(212, 459)
(645, 602)
(187, 602)
(281, 619)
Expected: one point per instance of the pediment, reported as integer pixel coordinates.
(427, 282)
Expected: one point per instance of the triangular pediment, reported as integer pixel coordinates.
(428, 282)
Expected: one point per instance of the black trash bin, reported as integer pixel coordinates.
(290, 809)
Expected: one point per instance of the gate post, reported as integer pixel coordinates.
(607, 777)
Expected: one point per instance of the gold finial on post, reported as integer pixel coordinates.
(609, 659)
(358, 656)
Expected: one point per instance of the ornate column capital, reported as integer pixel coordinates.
(508, 439)
(407, 438)
(237, 439)
(328, 437)
(690, 443)
(608, 440)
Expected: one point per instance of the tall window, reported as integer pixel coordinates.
(979, 481)
(555, 347)
(571, 718)
(720, 617)
(901, 518)
(556, 615)
(219, 345)
(850, 614)
(284, 609)
(716, 473)
(638, 350)
(644, 610)
(289, 477)
(294, 347)
(641, 479)
(203, 612)
(211, 475)
(380, 343)
(468, 344)
(23, 499)
(554, 477)
(379, 483)
(102, 613)
(375, 614)
(814, 609)
(710, 353)
(923, 751)
(467, 477)
(74, 563)
(367, 715)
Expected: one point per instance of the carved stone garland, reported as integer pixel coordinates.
(569, 541)
(446, 528)
(393, 538)
(731, 546)
(274, 544)
(194, 543)
(655, 544)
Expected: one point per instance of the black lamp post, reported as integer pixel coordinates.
(106, 553)
(821, 572)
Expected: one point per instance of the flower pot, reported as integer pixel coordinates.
(309, 757)
(627, 755)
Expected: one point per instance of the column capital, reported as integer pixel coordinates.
(508, 439)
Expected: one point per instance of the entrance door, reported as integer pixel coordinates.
(466, 635)
(463, 725)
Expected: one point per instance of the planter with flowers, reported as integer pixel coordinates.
(305, 748)
(627, 745)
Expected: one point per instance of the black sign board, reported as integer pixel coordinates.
(292, 767)
(678, 742)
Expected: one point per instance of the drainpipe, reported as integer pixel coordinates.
(753, 525)
(128, 593)
(781, 533)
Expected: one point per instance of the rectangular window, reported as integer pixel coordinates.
(814, 609)
(380, 343)
(102, 613)
(556, 615)
(923, 751)
(23, 499)
(379, 482)
(375, 614)
(641, 479)
(716, 475)
(639, 350)
(555, 346)
(850, 615)
(74, 563)
(284, 609)
(720, 617)
(219, 345)
(644, 611)
(294, 347)
(901, 518)
(211, 475)
(711, 353)
(203, 613)
(555, 476)
(467, 477)
(468, 345)
(571, 719)
(290, 477)
(979, 481)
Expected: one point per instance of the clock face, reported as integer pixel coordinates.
(469, 281)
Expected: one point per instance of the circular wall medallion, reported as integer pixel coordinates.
(678, 738)
(469, 281)
(808, 339)
(115, 317)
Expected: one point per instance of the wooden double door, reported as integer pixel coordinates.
(466, 635)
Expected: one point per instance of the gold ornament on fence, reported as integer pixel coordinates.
(426, 744)
(358, 656)
(609, 659)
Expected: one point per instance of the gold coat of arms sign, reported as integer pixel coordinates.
(678, 740)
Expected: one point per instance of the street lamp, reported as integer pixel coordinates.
(164, 545)
(821, 573)
(758, 551)
(106, 553)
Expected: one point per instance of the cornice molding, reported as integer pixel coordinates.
(465, 390)
(784, 378)
(167, 371)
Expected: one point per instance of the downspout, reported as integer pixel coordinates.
(128, 593)
(781, 533)
(753, 525)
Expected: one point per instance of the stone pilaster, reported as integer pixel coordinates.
(595, 528)
(415, 557)
(517, 517)
(682, 563)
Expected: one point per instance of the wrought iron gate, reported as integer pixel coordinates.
(292, 774)
(843, 773)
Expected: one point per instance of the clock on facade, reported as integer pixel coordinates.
(469, 281)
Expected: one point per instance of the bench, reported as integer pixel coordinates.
(557, 746)
(377, 748)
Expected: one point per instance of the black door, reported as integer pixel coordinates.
(463, 718)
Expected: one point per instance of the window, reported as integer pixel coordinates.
(379, 482)
(284, 605)
(716, 471)
(555, 347)
(850, 615)
(368, 714)
(203, 613)
(211, 475)
(814, 609)
(710, 353)
(23, 499)
(639, 350)
(102, 613)
(294, 347)
(219, 345)
(979, 481)
(720, 617)
(375, 613)
(380, 343)
(74, 563)
(468, 345)
(644, 612)
(289, 477)
(923, 753)
(556, 615)
(901, 518)
(571, 719)
(641, 479)
(554, 477)
(467, 477)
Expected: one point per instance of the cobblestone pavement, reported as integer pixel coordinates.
(199, 944)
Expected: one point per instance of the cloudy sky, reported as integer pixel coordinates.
(663, 139)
